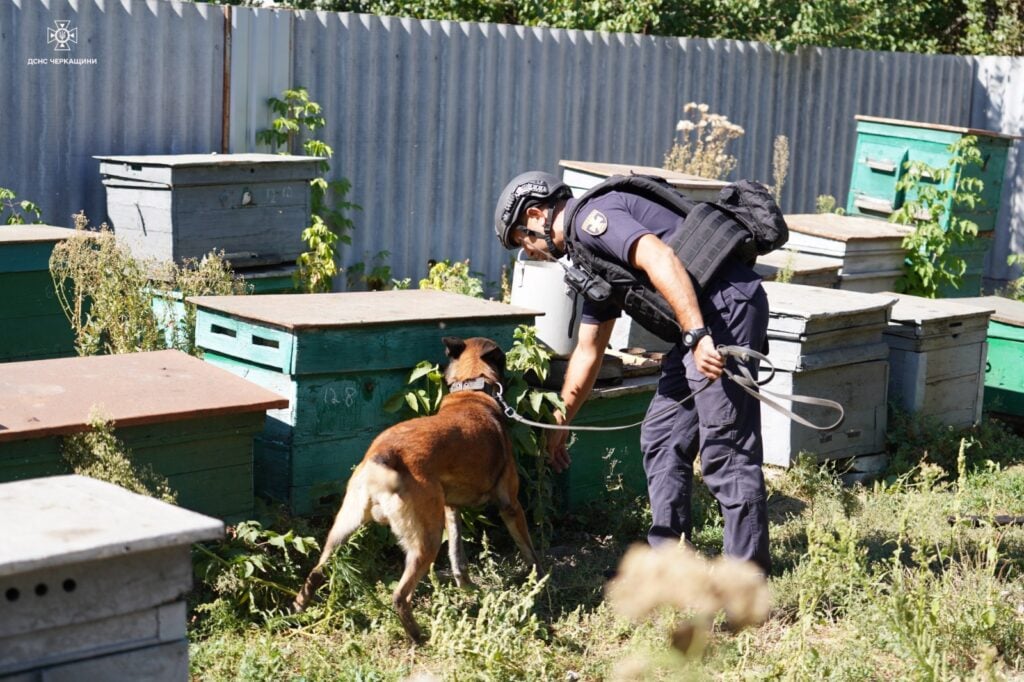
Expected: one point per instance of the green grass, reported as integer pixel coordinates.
(869, 584)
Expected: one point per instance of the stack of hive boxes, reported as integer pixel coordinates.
(94, 580)
(795, 267)
(826, 343)
(871, 251)
(1004, 371)
(937, 353)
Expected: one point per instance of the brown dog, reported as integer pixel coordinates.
(417, 474)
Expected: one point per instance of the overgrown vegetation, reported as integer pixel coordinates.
(108, 295)
(869, 584)
(934, 201)
(931, 26)
(453, 277)
(99, 454)
(298, 117)
(15, 211)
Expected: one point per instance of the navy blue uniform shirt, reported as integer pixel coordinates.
(611, 224)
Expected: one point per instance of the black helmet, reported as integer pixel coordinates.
(526, 189)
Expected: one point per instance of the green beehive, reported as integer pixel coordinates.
(586, 481)
(1004, 372)
(884, 149)
(32, 323)
(189, 421)
(337, 358)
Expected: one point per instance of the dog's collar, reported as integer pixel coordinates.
(478, 384)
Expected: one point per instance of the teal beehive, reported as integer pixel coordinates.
(337, 358)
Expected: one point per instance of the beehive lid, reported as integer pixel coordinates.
(846, 229)
(937, 126)
(61, 520)
(56, 397)
(797, 262)
(359, 309)
(199, 169)
(674, 178)
(917, 317)
(1006, 310)
(28, 234)
(796, 309)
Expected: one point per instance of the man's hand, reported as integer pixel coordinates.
(558, 454)
(707, 358)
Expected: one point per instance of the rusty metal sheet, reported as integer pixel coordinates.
(56, 397)
(354, 309)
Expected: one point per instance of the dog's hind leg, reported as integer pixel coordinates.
(515, 520)
(354, 512)
(456, 550)
(418, 526)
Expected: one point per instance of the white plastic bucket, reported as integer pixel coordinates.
(539, 285)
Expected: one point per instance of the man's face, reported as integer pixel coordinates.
(530, 237)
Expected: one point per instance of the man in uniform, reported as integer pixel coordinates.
(721, 422)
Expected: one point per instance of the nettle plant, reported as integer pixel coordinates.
(15, 211)
(932, 260)
(298, 116)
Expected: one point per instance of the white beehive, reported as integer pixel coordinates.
(937, 357)
(802, 268)
(93, 581)
(871, 250)
(826, 343)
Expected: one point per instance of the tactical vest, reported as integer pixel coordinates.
(745, 222)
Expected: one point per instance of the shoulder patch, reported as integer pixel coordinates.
(595, 224)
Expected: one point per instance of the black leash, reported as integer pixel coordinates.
(744, 380)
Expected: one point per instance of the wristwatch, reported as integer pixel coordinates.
(692, 336)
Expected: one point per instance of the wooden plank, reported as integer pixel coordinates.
(167, 661)
(870, 282)
(792, 356)
(393, 347)
(26, 256)
(28, 294)
(861, 389)
(360, 309)
(846, 233)
(279, 422)
(26, 234)
(44, 525)
(255, 343)
(937, 126)
(1005, 310)
(56, 397)
(36, 338)
(98, 638)
(799, 309)
(682, 181)
(187, 169)
(805, 268)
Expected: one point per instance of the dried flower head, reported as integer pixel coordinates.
(649, 579)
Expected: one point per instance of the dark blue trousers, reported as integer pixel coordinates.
(722, 423)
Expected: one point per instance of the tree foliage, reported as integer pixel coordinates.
(930, 26)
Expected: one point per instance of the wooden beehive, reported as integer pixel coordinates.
(337, 358)
(32, 322)
(253, 207)
(189, 421)
(937, 355)
(586, 481)
(93, 581)
(1004, 371)
(826, 343)
(582, 175)
(871, 250)
(802, 268)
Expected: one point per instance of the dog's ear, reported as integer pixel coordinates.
(493, 355)
(453, 346)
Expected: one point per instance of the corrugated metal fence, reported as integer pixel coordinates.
(429, 119)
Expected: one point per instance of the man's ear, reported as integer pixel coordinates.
(453, 346)
(493, 355)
